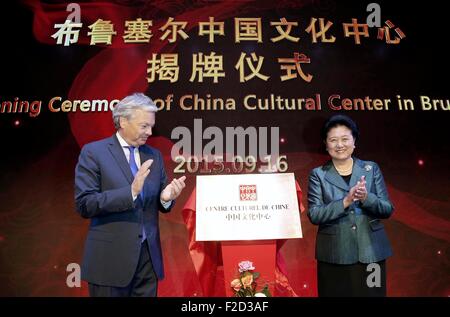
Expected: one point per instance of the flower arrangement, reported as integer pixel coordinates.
(245, 285)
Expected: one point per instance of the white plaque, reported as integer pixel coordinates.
(247, 207)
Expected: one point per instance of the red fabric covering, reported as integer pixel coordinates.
(206, 255)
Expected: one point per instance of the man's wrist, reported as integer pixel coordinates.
(133, 194)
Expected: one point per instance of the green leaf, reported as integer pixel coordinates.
(266, 291)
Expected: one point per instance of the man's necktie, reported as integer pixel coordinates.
(134, 169)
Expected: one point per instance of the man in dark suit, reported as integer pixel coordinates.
(120, 185)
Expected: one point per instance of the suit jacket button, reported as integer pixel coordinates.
(354, 227)
(140, 236)
(352, 212)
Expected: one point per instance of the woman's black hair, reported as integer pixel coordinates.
(336, 120)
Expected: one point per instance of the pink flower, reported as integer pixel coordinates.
(245, 266)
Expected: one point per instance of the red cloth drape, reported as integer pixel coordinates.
(206, 255)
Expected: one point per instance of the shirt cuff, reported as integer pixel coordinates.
(166, 204)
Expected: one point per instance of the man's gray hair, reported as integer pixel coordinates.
(126, 107)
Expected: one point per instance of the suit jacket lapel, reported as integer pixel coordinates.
(145, 155)
(334, 178)
(119, 156)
